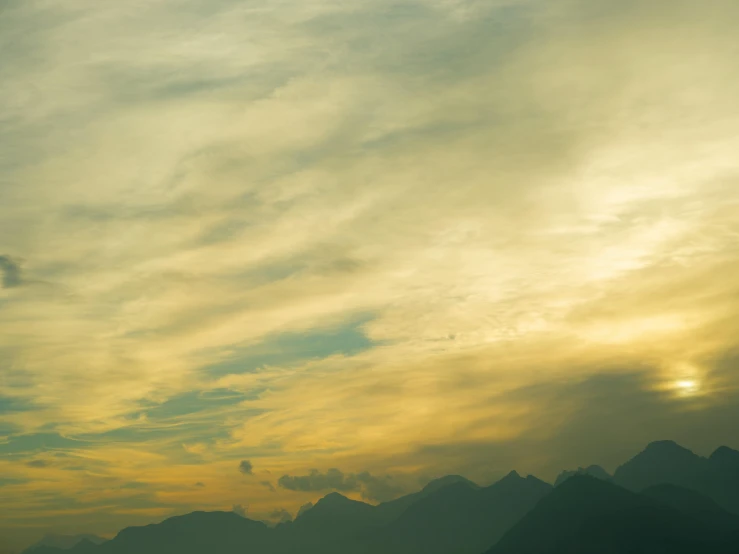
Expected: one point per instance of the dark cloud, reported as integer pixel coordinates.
(7, 481)
(268, 485)
(333, 479)
(246, 467)
(134, 485)
(199, 484)
(304, 508)
(371, 487)
(280, 515)
(11, 271)
(239, 509)
(38, 463)
(380, 489)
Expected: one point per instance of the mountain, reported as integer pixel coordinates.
(85, 546)
(195, 533)
(63, 542)
(388, 511)
(667, 462)
(461, 518)
(334, 525)
(586, 515)
(662, 462)
(593, 471)
(665, 499)
(450, 514)
(692, 503)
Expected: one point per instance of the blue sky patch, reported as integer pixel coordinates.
(289, 349)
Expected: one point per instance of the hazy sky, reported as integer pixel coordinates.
(254, 251)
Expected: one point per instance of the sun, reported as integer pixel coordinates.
(686, 387)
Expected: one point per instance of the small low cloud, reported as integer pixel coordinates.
(280, 515)
(268, 485)
(199, 484)
(304, 508)
(38, 463)
(134, 485)
(11, 272)
(377, 488)
(246, 467)
(370, 486)
(333, 479)
(8, 481)
(239, 509)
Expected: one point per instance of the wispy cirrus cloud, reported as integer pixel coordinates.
(367, 236)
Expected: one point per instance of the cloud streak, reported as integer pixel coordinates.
(11, 271)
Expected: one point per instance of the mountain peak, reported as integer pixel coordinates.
(665, 446)
(724, 452)
(661, 462)
(445, 481)
(593, 471)
(335, 503)
(333, 499)
(512, 476)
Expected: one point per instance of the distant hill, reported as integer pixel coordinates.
(586, 515)
(390, 511)
(593, 471)
(461, 518)
(667, 462)
(195, 533)
(64, 542)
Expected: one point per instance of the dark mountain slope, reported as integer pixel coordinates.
(593, 471)
(586, 515)
(462, 519)
(195, 533)
(389, 511)
(64, 541)
(666, 462)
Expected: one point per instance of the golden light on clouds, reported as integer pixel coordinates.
(409, 238)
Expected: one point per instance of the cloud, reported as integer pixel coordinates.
(267, 485)
(239, 509)
(134, 485)
(280, 515)
(418, 254)
(317, 481)
(304, 508)
(380, 489)
(38, 463)
(370, 487)
(200, 485)
(9, 481)
(11, 271)
(246, 467)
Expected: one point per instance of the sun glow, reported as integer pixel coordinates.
(686, 387)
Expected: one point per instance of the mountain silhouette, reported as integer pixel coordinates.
(587, 515)
(461, 518)
(662, 462)
(392, 509)
(666, 499)
(667, 462)
(195, 533)
(65, 542)
(333, 525)
(593, 471)
(451, 514)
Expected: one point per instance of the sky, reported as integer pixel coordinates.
(255, 251)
